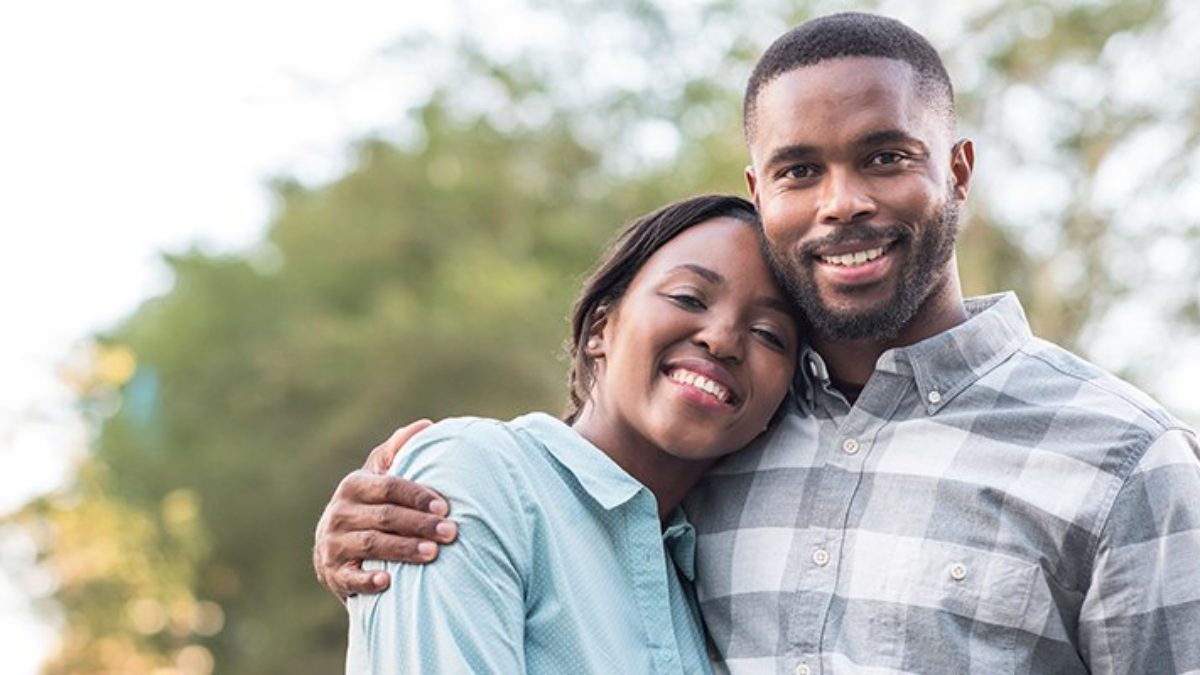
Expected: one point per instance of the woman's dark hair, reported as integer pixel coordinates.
(620, 264)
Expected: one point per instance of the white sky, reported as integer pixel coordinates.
(128, 128)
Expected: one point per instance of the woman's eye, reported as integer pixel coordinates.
(770, 337)
(686, 300)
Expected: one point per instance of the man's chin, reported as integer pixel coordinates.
(845, 322)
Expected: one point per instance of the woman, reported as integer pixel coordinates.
(573, 555)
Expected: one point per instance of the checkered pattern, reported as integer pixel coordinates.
(991, 504)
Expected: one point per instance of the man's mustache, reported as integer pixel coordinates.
(861, 232)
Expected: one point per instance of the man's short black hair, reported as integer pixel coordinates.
(851, 34)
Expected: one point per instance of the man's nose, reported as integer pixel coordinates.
(844, 198)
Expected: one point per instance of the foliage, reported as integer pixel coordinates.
(434, 279)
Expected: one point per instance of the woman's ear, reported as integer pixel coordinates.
(594, 346)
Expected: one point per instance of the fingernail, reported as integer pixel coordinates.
(427, 549)
(439, 507)
(379, 580)
(446, 529)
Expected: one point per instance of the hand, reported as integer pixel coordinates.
(373, 515)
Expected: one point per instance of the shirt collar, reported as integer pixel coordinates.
(600, 477)
(607, 482)
(944, 364)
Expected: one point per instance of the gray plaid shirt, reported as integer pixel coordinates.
(990, 504)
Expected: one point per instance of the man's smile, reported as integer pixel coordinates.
(854, 258)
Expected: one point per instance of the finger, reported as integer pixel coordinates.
(346, 519)
(384, 546)
(404, 492)
(354, 579)
(382, 456)
(362, 487)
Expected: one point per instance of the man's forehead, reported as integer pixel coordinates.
(840, 100)
(833, 83)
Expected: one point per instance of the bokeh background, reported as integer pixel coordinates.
(242, 242)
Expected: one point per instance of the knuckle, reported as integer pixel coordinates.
(408, 548)
(381, 518)
(411, 494)
(342, 581)
(370, 543)
(337, 520)
(348, 483)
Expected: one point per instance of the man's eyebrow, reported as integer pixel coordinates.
(701, 271)
(791, 153)
(886, 136)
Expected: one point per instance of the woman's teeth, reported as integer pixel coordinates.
(854, 259)
(702, 383)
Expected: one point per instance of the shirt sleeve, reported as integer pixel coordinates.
(464, 612)
(1142, 610)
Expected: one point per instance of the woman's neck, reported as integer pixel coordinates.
(669, 478)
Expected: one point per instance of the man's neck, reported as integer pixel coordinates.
(851, 362)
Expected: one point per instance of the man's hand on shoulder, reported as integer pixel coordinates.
(374, 515)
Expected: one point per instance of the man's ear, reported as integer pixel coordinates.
(962, 166)
(752, 184)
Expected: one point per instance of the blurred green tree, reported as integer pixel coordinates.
(435, 276)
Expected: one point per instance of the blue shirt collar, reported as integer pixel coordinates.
(606, 482)
(601, 477)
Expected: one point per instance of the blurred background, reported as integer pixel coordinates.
(242, 242)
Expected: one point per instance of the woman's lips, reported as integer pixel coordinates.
(705, 381)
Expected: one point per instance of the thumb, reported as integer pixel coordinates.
(381, 458)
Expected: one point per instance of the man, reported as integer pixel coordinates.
(949, 494)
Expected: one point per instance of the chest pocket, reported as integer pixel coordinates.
(963, 604)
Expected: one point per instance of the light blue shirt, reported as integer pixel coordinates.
(561, 564)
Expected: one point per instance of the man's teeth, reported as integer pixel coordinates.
(702, 383)
(854, 259)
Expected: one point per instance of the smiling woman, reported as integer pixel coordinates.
(575, 556)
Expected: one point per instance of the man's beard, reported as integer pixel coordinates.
(924, 270)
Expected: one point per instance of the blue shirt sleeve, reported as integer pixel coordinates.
(466, 613)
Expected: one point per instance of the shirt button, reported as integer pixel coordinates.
(802, 669)
(934, 396)
(820, 557)
(958, 571)
(850, 446)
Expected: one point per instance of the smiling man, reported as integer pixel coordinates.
(948, 493)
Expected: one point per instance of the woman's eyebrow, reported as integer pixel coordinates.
(701, 271)
(712, 276)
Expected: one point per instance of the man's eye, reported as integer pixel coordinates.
(885, 158)
(802, 171)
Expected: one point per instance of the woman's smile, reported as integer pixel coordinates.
(704, 382)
